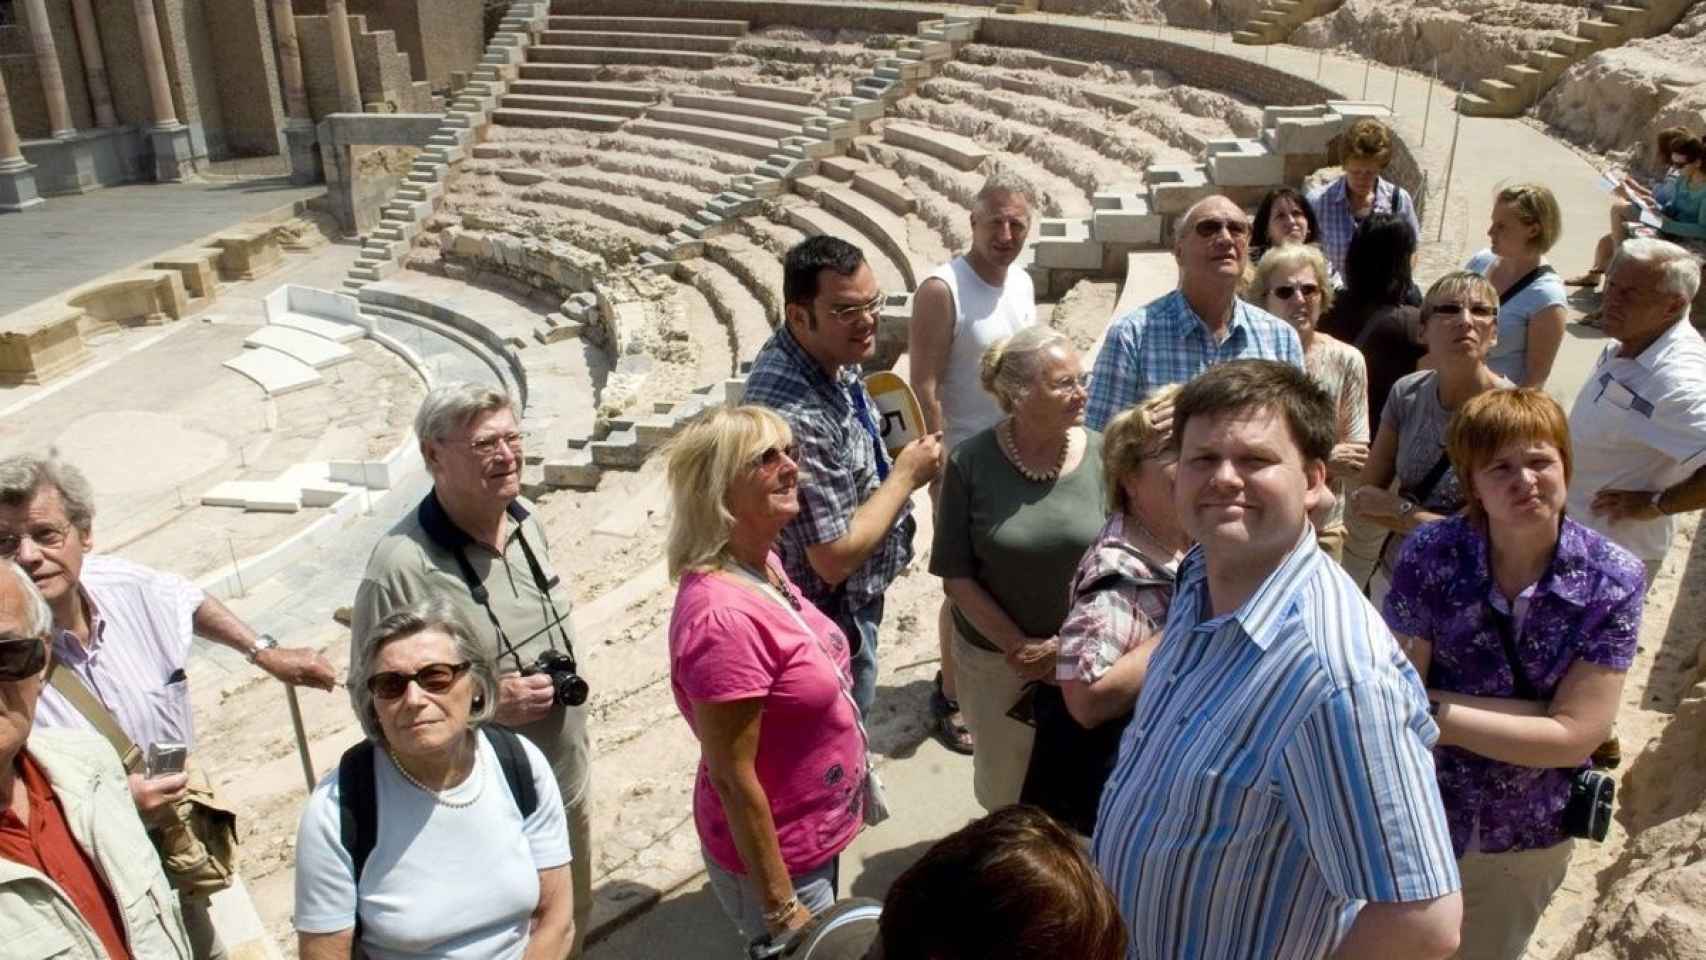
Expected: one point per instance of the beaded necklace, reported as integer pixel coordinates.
(1004, 435)
(438, 795)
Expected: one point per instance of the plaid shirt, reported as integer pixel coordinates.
(1164, 342)
(838, 470)
(1333, 209)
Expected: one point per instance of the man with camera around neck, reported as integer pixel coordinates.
(476, 542)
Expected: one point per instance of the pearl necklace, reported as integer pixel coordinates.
(438, 795)
(1010, 447)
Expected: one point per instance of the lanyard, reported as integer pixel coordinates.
(843, 681)
(857, 394)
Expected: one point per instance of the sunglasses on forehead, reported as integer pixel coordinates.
(21, 657)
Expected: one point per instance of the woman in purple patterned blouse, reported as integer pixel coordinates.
(1514, 570)
(1119, 596)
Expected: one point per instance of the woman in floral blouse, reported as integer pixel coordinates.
(1119, 598)
(1513, 584)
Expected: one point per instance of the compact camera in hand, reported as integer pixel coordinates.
(567, 687)
(1587, 815)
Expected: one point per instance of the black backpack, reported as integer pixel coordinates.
(358, 802)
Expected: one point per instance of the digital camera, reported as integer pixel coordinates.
(567, 687)
(1587, 815)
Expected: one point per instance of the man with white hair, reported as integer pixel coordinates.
(1202, 323)
(475, 541)
(1639, 424)
(78, 875)
(961, 309)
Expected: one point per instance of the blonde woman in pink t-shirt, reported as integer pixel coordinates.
(761, 677)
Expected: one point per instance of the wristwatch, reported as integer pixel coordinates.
(1406, 507)
(264, 642)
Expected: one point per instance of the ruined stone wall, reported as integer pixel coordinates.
(195, 85)
(241, 35)
(438, 35)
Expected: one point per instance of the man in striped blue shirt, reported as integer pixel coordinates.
(1175, 337)
(1274, 795)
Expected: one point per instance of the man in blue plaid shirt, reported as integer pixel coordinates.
(1202, 323)
(853, 534)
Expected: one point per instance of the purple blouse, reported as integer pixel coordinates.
(1587, 606)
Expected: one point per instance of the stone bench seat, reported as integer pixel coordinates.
(647, 41)
(959, 152)
(617, 108)
(726, 122)
(777, 92)
(199, 268)
(574, 88)
(747, 106)
(558, 72)
(140, 297)
(701, 27)
(745, 145)
(334, 330)
(877, 222)
(517, 117)
(691, 59)
(275, 372)
(315, 351)
(42, 342)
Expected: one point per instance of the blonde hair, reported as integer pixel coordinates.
(701, 464)
(1535, 206)
(1285, 259)
(1009, 366)
(1129, 439)
(1456, 284)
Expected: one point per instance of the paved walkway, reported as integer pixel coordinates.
(72, 240)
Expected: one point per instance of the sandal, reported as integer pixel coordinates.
(950, 725)
(1589, 279)
(1590, 320)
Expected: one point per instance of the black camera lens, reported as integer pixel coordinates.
(571, 689)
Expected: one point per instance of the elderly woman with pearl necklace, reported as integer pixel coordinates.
(1020, 503)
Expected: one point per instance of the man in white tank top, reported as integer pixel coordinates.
(959, 310)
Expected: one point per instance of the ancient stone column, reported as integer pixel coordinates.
(343, 51)
(289, 60)
(47, 68)
(94, 64)
(17, 179)
(161, 110)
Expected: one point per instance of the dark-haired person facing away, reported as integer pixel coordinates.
(1274, 792)
(853, 534)
(1014, 885)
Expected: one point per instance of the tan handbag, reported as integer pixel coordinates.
(198, 840)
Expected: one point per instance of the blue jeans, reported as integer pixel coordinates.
(742, 904)
(860, 626)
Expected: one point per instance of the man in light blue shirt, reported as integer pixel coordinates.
(1202, 323)
(1274, 794)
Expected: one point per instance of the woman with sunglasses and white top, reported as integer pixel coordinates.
(1460, 316)
(762, 678)
(1292, 283)
(456, 870)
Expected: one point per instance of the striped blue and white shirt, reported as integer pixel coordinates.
(1278, 773)
(1165, 342)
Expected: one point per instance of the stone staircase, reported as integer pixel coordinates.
(1518, 86)
(1278, 18)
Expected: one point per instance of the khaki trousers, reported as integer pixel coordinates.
(579, 815)
(987, 689)
(1361, 546)
(1503, 897)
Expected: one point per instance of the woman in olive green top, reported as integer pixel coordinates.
(1021, 502)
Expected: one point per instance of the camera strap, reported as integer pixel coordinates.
(1502, 622)
(77, 693)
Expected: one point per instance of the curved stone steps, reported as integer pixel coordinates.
(760, 108)
(759, 270)
(601, 56)
(593, 90)
(724, 122)
(736, 307)
(608, 237)
(812, 219)
(628, 39)
(703, 160)
(682, 199)
(662, 173)
(1054, 165)
(716, 350)
(773, 237)
(696, 27)
(722, 141)
(641, 216)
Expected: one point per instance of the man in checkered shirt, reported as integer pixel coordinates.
(853, 534)
(1202, 323)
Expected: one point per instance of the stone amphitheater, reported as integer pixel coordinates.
(595, 221)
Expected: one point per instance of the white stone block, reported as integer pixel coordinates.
(276, 373)
(1238, 162)
(316, 351)
(337, 331)
(1123, 218)
(1066, 245)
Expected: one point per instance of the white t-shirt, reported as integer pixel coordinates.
(444, 882)
(982, 315)
(1640, 424)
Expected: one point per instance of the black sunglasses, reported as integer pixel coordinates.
(1286, 291)
(1453, 309)
(1211, 227)
(21, 657)
(433, 678)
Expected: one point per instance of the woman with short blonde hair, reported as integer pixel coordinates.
(761, 677)
(1525, 224)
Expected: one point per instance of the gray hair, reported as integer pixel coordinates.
(449, 406)
(1000, 183)
(22, 475)
(433, 613)
(38, 619)
(1010, 365)
(1679, 274)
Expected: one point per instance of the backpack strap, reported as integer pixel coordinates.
(517, 770)
(1524, 282)
(72, 688)
(358, 812)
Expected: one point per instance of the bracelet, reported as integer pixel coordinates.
(783, 912)
(1660, 495)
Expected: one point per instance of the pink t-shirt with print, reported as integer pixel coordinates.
(728, 642)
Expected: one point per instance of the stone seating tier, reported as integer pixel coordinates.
(562, 104)
(951, 148)
(758, 148)
(773, 130)
(646, 41)
(315, 351)
(275, 372)
(709, 28)
(749, 106)
(621, 55)
(591, 91)
(556, 118)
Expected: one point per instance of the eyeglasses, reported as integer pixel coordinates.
(433, 678)
(848, 314)
(1210, 228)
(46, 535)
(488, 446)
(1286, 291)
(769, 459)
(21, 657)
(1453, 309)
(1067, 384)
